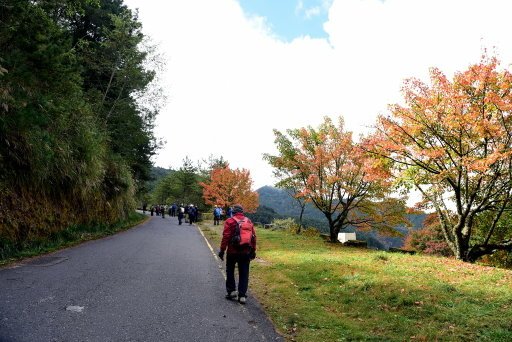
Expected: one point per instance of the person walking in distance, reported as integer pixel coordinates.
(181, 214)
(191, 214)
(239, 238)
(216, 215)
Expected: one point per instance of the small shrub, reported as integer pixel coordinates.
(310, 232)
(381, 256)
(207, 216)
(429, 240)
(501, 259)
(294, 229)
(288, 224)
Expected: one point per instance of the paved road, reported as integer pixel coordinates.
(156, 282)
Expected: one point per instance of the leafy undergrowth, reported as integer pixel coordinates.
(72, 236)
(317, 291)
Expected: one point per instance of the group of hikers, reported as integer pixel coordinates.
(190, 211)
(181, 211)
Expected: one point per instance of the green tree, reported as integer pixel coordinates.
(180, 186)
(109, 40)
(49, 134)
(74, 141)
(207, 166)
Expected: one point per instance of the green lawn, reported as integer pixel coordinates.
(317, 291)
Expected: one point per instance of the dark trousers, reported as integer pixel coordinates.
(243, 262)
(216, 220)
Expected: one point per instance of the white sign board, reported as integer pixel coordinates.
(344, 237)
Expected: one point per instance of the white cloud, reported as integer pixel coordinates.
(312, 12)
(299, 7)
(230, 81)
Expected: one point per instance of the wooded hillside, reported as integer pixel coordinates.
(76, 135)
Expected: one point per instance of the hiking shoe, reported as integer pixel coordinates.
(231, 295)
(242, 300)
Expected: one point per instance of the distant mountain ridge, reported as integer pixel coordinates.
(280, 202)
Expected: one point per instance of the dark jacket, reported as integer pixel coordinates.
(229, 231)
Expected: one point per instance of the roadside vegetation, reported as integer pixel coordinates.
(71, 236)
(314, 290)
(78, 99)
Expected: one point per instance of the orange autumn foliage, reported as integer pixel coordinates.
(330, 170)
(228, 187)
(452, 141)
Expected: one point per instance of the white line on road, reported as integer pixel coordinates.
(211, 249)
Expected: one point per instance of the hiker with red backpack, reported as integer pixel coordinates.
(239, 238)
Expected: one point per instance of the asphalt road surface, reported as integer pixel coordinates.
(156, 282)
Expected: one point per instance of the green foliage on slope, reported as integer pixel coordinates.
(76, 136)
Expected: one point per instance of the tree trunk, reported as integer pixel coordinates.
(300, 219)
(462, 244)
(459, 252)
(488, 249)
(333, 235)
(334, 230)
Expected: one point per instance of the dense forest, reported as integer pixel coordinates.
(77, 102)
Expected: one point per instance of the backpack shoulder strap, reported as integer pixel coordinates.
(239, 221)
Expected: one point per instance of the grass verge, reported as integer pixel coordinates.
(72, 236)
(317, 291)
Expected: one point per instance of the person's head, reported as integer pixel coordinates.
(237, 208)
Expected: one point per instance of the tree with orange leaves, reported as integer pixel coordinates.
(452, 140)
(228, 187)
(332, 172)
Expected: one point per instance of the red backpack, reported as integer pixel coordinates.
(244, 233)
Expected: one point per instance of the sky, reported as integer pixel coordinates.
(237, 70)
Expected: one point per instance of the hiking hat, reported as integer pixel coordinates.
(237, 208)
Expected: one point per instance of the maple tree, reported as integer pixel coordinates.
(291, 184)
(292, 190)
(330, 170)
(227, 187)
(451, 140)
